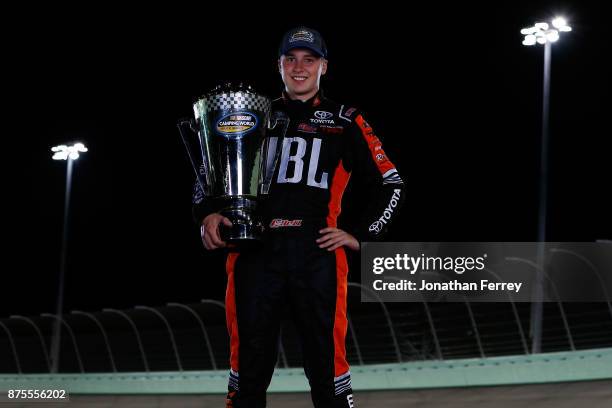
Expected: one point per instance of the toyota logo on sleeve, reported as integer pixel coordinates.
(376, 227)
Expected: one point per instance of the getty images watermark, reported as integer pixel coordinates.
(486, 271)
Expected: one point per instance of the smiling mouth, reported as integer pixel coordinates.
(298, 78)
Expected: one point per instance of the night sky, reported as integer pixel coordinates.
(450, 90)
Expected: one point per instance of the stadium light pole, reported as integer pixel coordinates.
(543, 34)
(69, 154)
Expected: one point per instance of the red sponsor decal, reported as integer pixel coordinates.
(280, 223)
(349, 111)
(305, 127)
(333, 130)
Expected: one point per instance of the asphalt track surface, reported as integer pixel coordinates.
(585, 394)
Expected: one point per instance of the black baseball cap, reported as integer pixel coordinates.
(303, 37)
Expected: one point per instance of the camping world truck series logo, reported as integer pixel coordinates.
(236, 124)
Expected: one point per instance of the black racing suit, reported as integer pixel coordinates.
(324, 145)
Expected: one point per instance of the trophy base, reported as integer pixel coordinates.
(240, 233)
(245, 227)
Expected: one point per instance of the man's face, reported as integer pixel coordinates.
(301, 72)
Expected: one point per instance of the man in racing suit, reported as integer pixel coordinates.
(301, 264)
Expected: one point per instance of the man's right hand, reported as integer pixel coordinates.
(209, 231)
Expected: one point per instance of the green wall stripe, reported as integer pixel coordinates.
(533, 369)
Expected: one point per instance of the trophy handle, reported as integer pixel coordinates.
(273, 145)
(185, 127)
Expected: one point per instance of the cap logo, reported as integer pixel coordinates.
(302, 35)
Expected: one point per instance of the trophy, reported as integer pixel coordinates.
(234, 154)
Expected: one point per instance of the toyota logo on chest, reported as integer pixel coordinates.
(323, 115)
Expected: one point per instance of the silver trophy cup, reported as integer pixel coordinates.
(234, 159)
